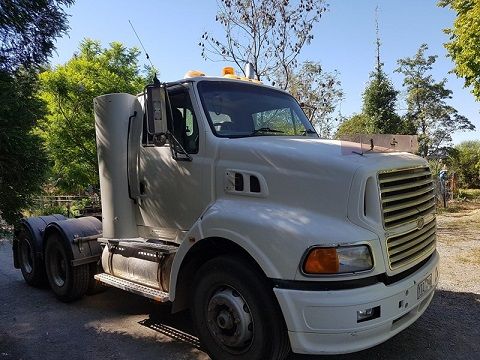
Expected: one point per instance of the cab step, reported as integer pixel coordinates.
(133, 287)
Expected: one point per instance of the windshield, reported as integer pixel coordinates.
(241, 109)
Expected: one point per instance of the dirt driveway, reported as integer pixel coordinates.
(117, 325)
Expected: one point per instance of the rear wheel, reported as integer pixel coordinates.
(67, 282)
(235, 313)
(32, 267)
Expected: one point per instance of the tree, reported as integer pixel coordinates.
(464, 39)
(380, 98)
(464, 159)
(68, 131)
(319, 93)
(27, 30)
(379, 102)
(379, 114)
(356, 124)
(267, 33)
(22, 161)
(427, 106)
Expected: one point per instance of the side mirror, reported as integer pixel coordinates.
(157, 113)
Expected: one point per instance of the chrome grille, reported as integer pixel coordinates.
(414, 245)
(408, 204)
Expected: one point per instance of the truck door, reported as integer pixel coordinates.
(174, 191)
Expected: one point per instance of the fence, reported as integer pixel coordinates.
(82, 204)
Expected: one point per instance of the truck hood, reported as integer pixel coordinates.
(307, 173)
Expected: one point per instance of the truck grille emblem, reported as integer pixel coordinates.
(420, 223)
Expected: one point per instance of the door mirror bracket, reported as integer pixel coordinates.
(175, 146)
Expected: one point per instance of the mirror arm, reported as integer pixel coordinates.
(173, 148)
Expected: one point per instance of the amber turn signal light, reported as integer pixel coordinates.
(322, 261)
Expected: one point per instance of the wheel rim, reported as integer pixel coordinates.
(26, 256)
(229, 320)
(58, 267)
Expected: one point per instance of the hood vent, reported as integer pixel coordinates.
(240, 182)
(254, 184)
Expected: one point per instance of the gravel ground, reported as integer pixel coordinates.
(459, 248)
(118, 325)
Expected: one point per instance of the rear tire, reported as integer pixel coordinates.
(235, 313)
(67, 282)
(31, 265)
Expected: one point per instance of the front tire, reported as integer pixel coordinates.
(31, 265)
(67, 282)
(235, 313)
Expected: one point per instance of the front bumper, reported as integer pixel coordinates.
(325, 322)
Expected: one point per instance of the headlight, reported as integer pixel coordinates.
(337, 260)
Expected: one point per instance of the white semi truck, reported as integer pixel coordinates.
(218, 196)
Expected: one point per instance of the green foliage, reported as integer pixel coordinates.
(319, 93)
(356, 124)
(28, 29)
(22, 161)
(379, 102)
(464, 159)
(69, 129)
(428, 110)
(469, 194)
(464, 39)
(68, 207)
(48, 210)
(379, 114)
(435, 165)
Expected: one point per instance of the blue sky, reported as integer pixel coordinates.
(344, 40)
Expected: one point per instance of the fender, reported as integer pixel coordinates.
(36, 227)
(80, 237)
(277, 236)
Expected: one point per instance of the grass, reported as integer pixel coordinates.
(469, 194)
(459, 222)
(472, 257)
(457, 206)
(462, 218)
(465, 200)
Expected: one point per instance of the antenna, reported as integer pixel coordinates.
(378, 43)
(143, 47)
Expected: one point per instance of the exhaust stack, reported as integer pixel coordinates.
(112, 113)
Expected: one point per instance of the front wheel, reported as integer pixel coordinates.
(67, 282)
(235, 313)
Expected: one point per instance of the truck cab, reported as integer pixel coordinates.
(219, 196)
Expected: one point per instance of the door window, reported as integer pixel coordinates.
(185, 126)
(183, 123)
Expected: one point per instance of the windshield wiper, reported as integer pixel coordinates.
(309, 131)
(266, 129)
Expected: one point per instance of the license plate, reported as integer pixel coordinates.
(424, 286)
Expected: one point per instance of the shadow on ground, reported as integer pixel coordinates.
(449, 329)
(178, 326)
(117, 325)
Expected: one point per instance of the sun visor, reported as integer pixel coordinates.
(362, 143)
